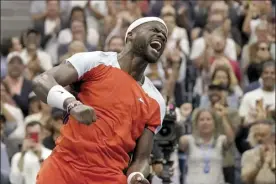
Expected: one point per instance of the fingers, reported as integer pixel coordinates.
(142, 181)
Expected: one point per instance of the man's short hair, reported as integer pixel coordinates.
(268, 64)
(33, 123)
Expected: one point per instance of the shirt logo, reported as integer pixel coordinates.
(141, 100)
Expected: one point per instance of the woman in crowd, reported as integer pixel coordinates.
(259, 53)
(205, 147)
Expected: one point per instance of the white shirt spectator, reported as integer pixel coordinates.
(199, 46)
(31, 167)
(65, 36)
(248, 103)
(44, 58)
(92, 21)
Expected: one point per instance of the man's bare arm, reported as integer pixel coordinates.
(63, 74)
(142, 153)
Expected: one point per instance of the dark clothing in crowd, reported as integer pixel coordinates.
(241, 143)
(22, 100)
(252, 86)
(49, 142)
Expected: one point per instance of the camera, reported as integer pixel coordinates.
(166, 140)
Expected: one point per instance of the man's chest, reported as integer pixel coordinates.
(117, 93)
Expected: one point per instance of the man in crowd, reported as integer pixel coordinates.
(258, 103)
(26, 164)
(125, 115)
(258, 163)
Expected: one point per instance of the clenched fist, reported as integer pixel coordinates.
(84, 114)
(137, 179)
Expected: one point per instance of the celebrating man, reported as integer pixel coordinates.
(124, 107)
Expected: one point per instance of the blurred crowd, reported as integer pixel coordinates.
(218, 68)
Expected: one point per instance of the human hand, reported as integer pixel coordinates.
(84, 114)
(138, 179)
(186, 109)
(158, 169)
(27, 144)
(34, 65)
(221, 110)
(266, 154)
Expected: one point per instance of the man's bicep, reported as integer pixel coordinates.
(64, 74)
(144, 145)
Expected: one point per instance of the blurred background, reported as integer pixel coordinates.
(218, 70)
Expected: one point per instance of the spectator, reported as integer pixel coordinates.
(19, 86)
(203, 168)
(261, 36)
(25, 164)
(217, 45)
(14, 125)
(115, 44)
(5, 164)
(202, 43)
(66, 35)
(49, 28)
(258, 163)
(225, 75)
(35, 59)
(74, 47)
(255, 103)
(259, 53)
(38, 9)
(219, 92)
(8, 45)
(78, 34)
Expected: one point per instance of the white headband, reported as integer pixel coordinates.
(144, 20)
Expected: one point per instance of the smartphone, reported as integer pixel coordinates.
(34, 136)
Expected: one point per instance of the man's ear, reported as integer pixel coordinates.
(130, 36)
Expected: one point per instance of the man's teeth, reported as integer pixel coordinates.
(156, 45)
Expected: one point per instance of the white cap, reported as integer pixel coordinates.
(12, 55)
(144, 20)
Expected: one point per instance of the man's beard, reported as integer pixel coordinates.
(139, 47)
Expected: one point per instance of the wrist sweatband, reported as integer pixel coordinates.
(129, 178)
(57, 95)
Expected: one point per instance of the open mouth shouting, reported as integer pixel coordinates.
(156, 46)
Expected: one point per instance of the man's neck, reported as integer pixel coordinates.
(268, 89)
(52, 17)
(133, 65)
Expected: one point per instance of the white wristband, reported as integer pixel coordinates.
(129, 178)
(57, 95)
